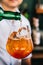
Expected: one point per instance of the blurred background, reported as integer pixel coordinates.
(33, 11)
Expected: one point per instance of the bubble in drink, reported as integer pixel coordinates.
(19, 47)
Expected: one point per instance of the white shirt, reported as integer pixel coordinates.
(6, 27)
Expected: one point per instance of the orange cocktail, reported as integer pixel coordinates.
(19, 47)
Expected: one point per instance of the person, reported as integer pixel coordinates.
(5, 27)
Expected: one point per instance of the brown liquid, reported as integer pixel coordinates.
(19, 47)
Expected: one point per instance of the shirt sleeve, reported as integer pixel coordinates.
(29, 26)
(26, 24)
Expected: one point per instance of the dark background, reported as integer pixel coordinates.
(29, 6)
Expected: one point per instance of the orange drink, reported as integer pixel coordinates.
(19, 47)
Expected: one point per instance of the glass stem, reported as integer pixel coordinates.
(20, 62)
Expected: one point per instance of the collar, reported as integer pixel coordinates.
(10, 15)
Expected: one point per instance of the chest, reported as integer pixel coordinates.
(7, 26)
